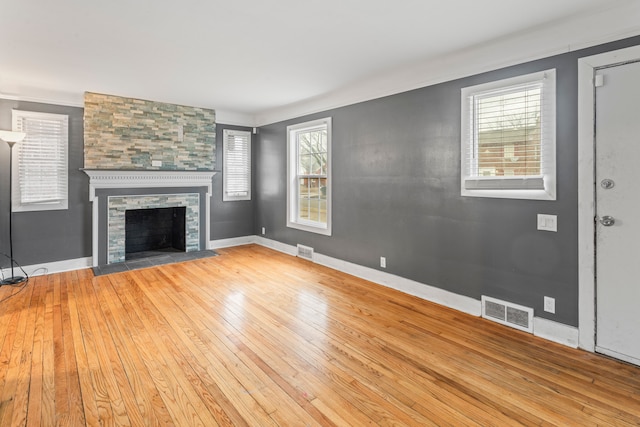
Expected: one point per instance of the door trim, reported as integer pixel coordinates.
(586, 189)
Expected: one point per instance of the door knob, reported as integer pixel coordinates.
(607, 221)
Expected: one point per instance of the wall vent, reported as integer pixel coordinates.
(507, 313)
(305, 252)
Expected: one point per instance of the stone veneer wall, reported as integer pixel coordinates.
(117, 205)
(128, 133)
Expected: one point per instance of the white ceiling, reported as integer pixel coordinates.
(257, 61)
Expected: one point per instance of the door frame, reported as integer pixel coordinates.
(586, 189)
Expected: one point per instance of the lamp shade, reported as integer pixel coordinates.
(11, 136)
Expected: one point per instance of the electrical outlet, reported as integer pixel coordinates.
(264, 231)
(383, 262)
(550, 305)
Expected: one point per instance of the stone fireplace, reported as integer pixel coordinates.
(113, 193)
(141, 155)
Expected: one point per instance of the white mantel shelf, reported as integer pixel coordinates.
(109, 178)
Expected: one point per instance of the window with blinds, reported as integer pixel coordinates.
(41, 167)
(236, 168)
(309, 176)
(508, 138)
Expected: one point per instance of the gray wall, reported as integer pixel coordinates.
(47, 236)
(233, 218)
(396, 193)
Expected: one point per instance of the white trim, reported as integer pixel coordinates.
(586, 196)
(62, 165)
(43, 96)
(619, 356)
(275, 245)
(226, 133)
(430, 293)
(543, 328)
(556, 332)
(52, 97)
(520, 187)
(51, 267)
(233, 118)
(292, 178)
(233, 241)
(100, 179)
(591, 29)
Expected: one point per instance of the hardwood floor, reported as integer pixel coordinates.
(258, 338)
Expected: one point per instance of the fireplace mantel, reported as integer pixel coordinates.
(106, 178)
(112, 179)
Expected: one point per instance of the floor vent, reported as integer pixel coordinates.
(507, 313)
(305, 252)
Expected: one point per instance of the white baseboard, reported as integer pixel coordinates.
(51, 267)
(278, 246)
(542, 328)
(556, 332)
(234, 241)
(411, 287)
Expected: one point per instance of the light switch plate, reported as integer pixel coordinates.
(548, 222)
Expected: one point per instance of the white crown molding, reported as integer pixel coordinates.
(47, 97)
(233, 118)
(613, 23)
(77, 100)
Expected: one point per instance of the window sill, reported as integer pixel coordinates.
(326, 231)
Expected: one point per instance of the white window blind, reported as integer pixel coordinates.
(508, 138)
(41, 161)
(236, 165)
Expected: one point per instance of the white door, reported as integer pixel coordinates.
(618, 212)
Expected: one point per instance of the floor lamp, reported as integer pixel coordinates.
(11, 138)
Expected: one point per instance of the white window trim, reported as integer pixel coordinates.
(292, 159)
(512, 187)
(17, 206)
(225, 196)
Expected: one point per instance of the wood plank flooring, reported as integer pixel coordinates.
(258, 338)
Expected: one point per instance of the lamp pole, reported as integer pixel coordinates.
(11, 138)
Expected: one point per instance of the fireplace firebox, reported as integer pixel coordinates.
(154, 230)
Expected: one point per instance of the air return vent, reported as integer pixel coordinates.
(507, 313)
(305, 252)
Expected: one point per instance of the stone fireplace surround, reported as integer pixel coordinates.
(113, 191)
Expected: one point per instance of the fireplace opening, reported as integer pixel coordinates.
(149, 232)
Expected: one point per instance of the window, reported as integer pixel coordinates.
(236, 168)
(309, 176)
(508, 138)
(41, 168)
